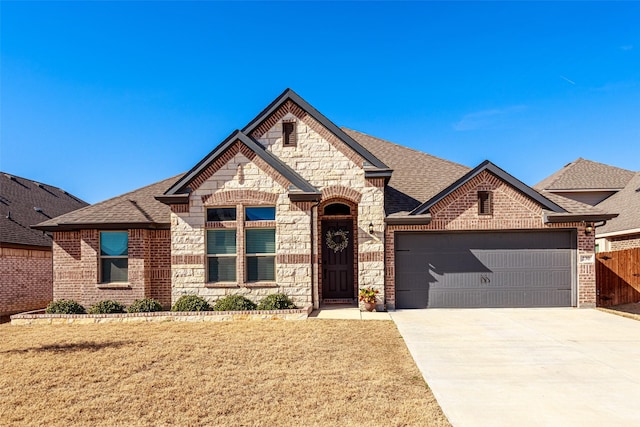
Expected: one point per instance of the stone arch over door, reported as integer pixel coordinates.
(338, 265)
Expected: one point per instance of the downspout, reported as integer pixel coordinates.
(311, 263)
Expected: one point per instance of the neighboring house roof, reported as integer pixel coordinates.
(136, 209)
(504, 176)
(584, 175)
(179, 191)
(627, 203)
(24, 202)
(417, 176)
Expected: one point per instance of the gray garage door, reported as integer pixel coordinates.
(503, 269)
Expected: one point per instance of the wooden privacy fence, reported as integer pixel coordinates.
(618, 277)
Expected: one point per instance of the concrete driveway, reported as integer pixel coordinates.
(528, 367)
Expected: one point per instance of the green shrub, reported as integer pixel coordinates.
(191, 303)
(144, 305)
(106, 307)
(234, 303)
(65, 306)
(276, 302)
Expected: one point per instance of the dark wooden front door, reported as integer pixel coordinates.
(337, 259)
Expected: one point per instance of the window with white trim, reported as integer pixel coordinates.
(114, 256)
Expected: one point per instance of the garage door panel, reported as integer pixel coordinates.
(505, 269)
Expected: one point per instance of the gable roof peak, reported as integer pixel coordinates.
(500, 173)
(291, 95)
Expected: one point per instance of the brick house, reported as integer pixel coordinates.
(26, 282)
(609, 189)
(292, 203)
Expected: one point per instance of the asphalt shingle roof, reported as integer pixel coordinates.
(416, 177)
(24, 203)
(626, 202)
(136, 207)
(586, 175)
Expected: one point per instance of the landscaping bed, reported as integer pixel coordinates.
(41, 318)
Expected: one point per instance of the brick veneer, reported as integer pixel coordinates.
(620, 243)
(76, 268)
(512, 210)
(26, 280)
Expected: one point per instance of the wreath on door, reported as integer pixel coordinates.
(337, 240)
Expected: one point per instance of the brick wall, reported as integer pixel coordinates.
(26, 280)
(76, 268)
(512, 210)
(620, 243)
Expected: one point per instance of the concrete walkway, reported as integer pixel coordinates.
(528, 367)
(347, 312)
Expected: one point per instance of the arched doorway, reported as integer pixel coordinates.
(338, 246)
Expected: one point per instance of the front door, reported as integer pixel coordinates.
(337, 259)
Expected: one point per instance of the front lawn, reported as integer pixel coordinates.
(271, 373)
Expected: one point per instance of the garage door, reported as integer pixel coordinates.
(505, 269)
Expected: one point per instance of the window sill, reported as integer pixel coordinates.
(261, 285)
(114, 286)
(215, 285)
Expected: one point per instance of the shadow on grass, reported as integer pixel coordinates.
(71, 347)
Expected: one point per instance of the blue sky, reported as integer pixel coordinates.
(101, 98)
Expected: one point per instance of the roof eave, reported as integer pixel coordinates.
(173, 199)
(552, 217)
(423, 219)
(103, 226)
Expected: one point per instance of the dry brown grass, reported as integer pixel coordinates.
(316, 372)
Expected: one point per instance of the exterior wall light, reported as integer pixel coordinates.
(370, 228)
(588, 229)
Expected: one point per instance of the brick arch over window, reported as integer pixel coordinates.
(240, 196)
(338, 191)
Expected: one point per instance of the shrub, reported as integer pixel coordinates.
(191, 303)
(106, 306)
(276, 302)
(144, 305)
(65, 306)
(234, 303)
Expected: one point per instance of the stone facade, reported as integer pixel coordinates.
(243, 179)
(25, 282)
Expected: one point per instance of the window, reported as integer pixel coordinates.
(288, 133)
(221, 214)
(337, 209)
(260, 214)
(484, 203)
(221, 255)
(261, 251)
(114, 256)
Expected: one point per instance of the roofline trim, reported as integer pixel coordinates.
(581, 190)
(408, 220)
(569, 217)
(289, 94)
(495, 170)
(618, 233)
(104, 226)
(173, 199)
